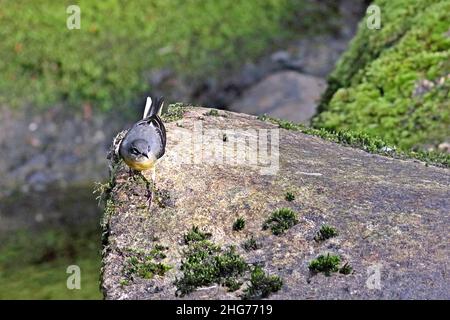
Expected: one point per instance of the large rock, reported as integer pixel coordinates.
(392, 216)
(288, 95)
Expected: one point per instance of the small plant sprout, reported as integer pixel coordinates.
(174, 112)
(325, 232)
(213, 113)
(250, 244)
(145, 265)
(280, 221)
(206, 263)
(124, 282)
(346, 269)
(261, 284)
(325, 263)
(195, 235)
(239, 224)
(232, 284)
(289, 196)
(101, 191)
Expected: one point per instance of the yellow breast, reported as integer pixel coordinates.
(141, 165)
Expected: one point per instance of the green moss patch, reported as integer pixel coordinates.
(261, 284)
(328, 264)
(145, 268)
(102, 190)
(289, 196)
(233, 284)
(205, 263)
(239, 224)
(145, 265)
(250, 244)
(346, 269)
(325, 232)
(195, 234)
(364, 141)
(393, 83)
(280, 221)
(174, 112)
(212, 112)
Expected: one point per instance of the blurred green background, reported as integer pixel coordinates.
(105, 62)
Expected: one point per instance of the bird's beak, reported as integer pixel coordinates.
(147, 155)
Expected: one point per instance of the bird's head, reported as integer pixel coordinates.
(139, 155)
(139, 149)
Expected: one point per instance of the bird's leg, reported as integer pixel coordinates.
(130, 172)
(151, 187)
(153, 175)
(149, 195)
(149, 184)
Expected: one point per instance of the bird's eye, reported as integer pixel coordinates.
(134, 150)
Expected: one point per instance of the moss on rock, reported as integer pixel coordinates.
(174, 112)
(325, 263)
(325, 232)
(364, 141)
(394, 82)
(239, 224)
(195, 234)
(280, 221)
(206, 263)
(144, 265)
(262, 285)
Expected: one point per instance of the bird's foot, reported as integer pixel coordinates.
(149, 187)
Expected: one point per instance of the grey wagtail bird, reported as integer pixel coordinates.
(145, 142)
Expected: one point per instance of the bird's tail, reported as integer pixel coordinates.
(153, 108)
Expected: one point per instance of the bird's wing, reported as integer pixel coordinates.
(153, 107)
(158, 127)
